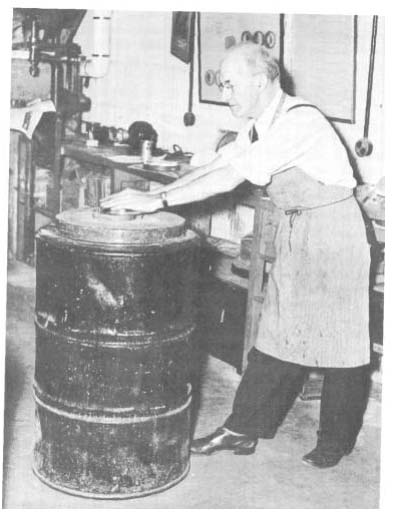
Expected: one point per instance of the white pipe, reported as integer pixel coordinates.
(98, 63)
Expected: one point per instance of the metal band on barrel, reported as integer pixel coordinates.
(144, 339)
(112, 420)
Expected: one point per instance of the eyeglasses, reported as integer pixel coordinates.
(229, 87)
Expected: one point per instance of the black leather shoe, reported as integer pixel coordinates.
(221, 439)
(323, 458)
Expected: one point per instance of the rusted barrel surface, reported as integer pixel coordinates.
(114, 319)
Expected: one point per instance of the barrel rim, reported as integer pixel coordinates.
(88, 224)
(49, 233)
(102, 496)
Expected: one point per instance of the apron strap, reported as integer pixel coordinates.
(298, 211)
(304, 105)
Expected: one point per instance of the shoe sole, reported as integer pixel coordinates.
(312, 465)
(236, 451)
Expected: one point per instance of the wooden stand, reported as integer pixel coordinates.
(262, 256)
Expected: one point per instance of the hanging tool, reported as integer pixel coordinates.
(189, 118)
(34, 57)
(364, 146)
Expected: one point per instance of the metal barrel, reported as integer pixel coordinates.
(114, 323)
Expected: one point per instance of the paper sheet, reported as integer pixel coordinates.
(27, 118)
(134, 159)
(126, 159)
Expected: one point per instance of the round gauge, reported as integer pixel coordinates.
(269, 39)
(209, 77)
(258, 37)
(217, 78)
(246, 36)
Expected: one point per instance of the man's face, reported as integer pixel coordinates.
(241, 88)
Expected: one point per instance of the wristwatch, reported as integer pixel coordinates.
(163, 197)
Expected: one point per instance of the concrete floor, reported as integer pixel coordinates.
(273, 477)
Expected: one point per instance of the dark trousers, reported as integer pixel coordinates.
(268, 389)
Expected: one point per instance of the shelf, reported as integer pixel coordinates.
(103, 156)
(20, 54)
(223, 246)
(229, 278)
(379, 288)
(377, 348)
(44, 211)
(222, 255)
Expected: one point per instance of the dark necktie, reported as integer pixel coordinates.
(253, 134)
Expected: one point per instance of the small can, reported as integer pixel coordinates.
(146, 150)
(122, 135)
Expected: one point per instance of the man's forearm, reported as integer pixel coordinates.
(190, 176)
(205, 183)
(214, 181)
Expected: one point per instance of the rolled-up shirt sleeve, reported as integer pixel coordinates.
(229, 151)
(303, 138)
(234, 149)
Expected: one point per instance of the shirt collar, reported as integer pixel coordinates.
(264, 121)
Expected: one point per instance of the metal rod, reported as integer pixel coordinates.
(191, 69)
(370, 74)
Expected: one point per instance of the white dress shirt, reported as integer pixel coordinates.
(301, 138)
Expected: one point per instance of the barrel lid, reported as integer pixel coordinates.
(123, 227)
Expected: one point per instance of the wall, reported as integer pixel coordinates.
(370, 168)
(145, 82)
(23, 85)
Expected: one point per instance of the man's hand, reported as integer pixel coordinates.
(135, 200)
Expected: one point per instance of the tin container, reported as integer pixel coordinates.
(146, 150)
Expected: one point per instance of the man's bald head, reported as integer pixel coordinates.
(249, 79)
(253, 58)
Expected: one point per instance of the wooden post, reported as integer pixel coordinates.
(262, 255)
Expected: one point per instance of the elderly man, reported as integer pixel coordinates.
(315, 314)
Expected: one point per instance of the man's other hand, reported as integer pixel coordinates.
(135, 200)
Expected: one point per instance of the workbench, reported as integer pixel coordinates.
(108, 156)
(100, 158)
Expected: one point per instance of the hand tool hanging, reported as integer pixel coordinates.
(364, 146)
(189, 118)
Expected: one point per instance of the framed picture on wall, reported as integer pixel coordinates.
(182, 35)
(219, 31)
(321, 60)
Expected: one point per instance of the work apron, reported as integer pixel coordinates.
(316, 307)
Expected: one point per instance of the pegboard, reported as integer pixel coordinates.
(219, 31)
